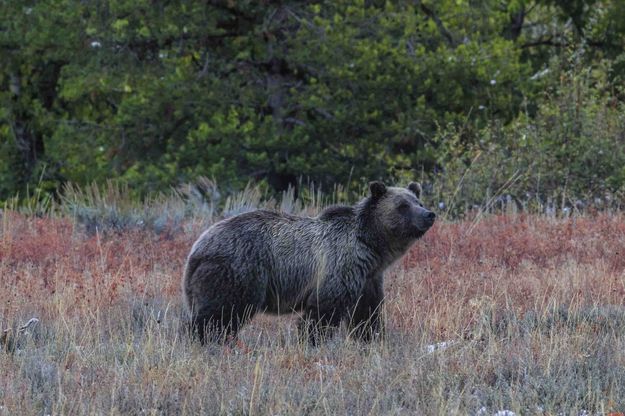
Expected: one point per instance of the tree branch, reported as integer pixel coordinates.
(545, 42)
(439, 23)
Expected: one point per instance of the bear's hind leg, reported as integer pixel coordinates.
(212, 325)
(221, 301)
(207, 328)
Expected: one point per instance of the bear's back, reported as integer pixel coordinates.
(339, 213)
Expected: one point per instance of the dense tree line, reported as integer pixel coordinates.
(158, 93)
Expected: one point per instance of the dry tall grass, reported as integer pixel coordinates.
(531, 312)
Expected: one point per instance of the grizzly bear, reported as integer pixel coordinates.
(329, 268)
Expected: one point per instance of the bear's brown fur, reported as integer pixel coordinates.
(329, 267)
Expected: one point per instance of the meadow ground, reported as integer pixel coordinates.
(516, 312)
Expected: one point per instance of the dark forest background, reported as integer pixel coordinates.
(477, 99)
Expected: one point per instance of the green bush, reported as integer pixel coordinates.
(568, 155)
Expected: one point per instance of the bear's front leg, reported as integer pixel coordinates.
(315, 330)
(366, 321)
(323, 314)
(320, 322)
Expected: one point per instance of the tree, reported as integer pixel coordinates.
(161, 93)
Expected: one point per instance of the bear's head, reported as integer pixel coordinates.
(400, 212)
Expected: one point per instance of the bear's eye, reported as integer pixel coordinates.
(403, 206)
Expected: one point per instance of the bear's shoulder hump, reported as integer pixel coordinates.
(335, 212)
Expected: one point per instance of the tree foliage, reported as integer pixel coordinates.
(159, 93)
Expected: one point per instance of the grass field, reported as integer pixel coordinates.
(521, 313)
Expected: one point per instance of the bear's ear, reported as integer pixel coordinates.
(415, 188)
(378, 189)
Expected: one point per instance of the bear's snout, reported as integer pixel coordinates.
(429, 216)
(427, 219)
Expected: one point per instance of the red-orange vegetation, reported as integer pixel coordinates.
(514, 261)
